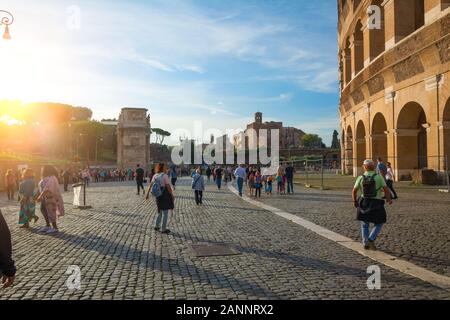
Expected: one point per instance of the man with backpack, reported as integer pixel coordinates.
(161, 190)
(370, 204)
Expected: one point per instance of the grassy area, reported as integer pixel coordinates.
(342, 182)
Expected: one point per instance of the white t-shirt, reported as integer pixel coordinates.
(390, 174)
(164, 180)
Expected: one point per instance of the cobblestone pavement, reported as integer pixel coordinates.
(122, 257)
(418, 228)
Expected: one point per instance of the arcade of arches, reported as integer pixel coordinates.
(412, 144)
(394, 71)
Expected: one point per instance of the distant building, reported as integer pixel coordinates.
(133, 138)
(290, 137)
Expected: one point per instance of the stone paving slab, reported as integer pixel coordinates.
(122, 257)
(418, 228)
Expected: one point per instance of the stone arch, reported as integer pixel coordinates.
(379, 137)
(377, 36)
(411, 140)
(358, 43)
(360, 143)
(349, 151)
(409, 16)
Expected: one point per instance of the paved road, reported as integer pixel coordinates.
(122, 257)
(418, 228)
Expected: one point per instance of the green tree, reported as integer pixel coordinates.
(312, 141)
(160, 135)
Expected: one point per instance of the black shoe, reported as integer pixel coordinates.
(372, 246)
(366, 247)
(167, 231)
(157, 228)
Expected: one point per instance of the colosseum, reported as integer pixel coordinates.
(395, 84)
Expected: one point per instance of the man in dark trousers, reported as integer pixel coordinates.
(140, 173)
(66, 177)
(290, 178)
(7, 268)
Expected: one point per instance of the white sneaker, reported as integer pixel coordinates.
(51, 230)
(43, 229)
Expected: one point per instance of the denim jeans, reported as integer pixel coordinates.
(219, 182)
(365, 232)
(164, 214)
(240, 184)
(290, 185)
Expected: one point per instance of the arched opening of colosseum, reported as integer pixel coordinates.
(446, 124)
(360, 146)
(359, 47)
(349, 151)
(376, 36)
(411, 141)
(379, 137)
(348, 61)
(409, 16)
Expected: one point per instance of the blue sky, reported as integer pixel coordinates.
(212, 61)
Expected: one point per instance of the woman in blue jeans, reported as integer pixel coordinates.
(165, 202)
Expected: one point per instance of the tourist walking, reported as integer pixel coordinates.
(86, 176)
(173, 177)
(198, 185)
(27, 196)
(218, 173)
(140, 173)
(381, 168)
(258, 184)
(251, 182)
(240, 175)
(280, 175)
(51, 195)
(7, 267)
(290, 178)
(66, 178)
(390, 177)
(208, 173)
(43, 209)
(10, 184)
(370, 203)
(161, 189)
(269, 185)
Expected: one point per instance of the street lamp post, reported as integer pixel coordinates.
(6, 19)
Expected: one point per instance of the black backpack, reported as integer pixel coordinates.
(369, 186)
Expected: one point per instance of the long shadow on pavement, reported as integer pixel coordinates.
(307, 262)
(146, 260)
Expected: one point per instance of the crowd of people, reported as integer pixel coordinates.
(370, 193)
